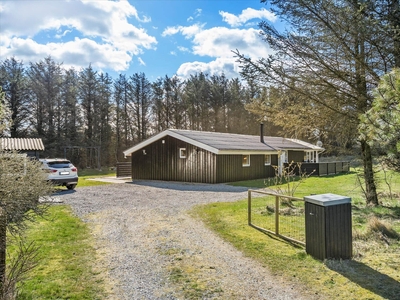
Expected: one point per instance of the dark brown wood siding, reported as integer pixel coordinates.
(162, 162)
(230, 168)
(124, 169)
(315, 230)
(339, 231)
(295, 156)
(328, 231)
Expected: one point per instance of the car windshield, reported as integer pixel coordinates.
(59, 164)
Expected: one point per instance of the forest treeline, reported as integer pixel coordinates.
(84, 108)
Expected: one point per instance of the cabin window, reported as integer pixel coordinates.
(182, 152)
(267, 159)
(309, 156)
(246, 161)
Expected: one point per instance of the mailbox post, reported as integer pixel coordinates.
(328, 226)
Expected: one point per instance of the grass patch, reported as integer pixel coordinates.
(190, 277)
(373, 273)
(86, 174)
(66, 259)
(91, 173)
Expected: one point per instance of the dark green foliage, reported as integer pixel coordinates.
(90, 117)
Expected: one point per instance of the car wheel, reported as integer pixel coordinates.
(71, 186)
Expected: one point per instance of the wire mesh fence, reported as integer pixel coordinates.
(277, 214)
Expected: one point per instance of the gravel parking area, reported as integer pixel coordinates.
(150, 247)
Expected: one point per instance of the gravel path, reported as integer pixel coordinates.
(152, 248)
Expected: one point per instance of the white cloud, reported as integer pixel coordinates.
(247, 14)
(218, 43)
(225, 65)
(141, 62)
(186, 31)
(183, 49)
(197, 12)
(106, 38)
(77, 53)
(62, 34)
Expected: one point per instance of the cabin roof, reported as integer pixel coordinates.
(21, 144)
(228, 143)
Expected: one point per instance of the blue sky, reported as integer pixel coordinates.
(157, 37)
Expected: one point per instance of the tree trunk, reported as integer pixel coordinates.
(370, 187)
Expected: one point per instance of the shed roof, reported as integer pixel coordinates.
(228, 143)
(21, 144)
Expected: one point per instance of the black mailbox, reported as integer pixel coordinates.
(328, 226)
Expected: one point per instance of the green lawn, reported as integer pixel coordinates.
(374, 273)
(86, 174)
(66, 259)
(67, 268)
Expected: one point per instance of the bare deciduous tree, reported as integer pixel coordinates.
(325, 65)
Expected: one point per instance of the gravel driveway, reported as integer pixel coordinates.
(151, 248)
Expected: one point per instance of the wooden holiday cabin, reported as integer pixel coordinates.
(214, 157)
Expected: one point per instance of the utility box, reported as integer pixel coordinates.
(328, 226)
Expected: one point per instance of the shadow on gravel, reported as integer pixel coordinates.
(54, 197)
(185, 186)
(63, 192)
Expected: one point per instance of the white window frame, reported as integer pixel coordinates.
(182, 152)
(267, 159)
(248, 160)
(309, 156)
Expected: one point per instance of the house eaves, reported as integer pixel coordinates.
(128, 152)
(307, 146)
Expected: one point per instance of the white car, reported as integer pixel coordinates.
(61, 172)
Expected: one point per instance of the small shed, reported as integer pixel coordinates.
(30, 146)
(214, 157)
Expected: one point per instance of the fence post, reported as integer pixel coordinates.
(249, 206)
(277, 215)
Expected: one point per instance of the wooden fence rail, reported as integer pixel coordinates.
(285, 227)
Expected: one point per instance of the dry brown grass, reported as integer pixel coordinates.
(382, 228)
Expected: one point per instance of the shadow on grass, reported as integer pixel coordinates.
(395, 211)
(378, 211)
(367, 278)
